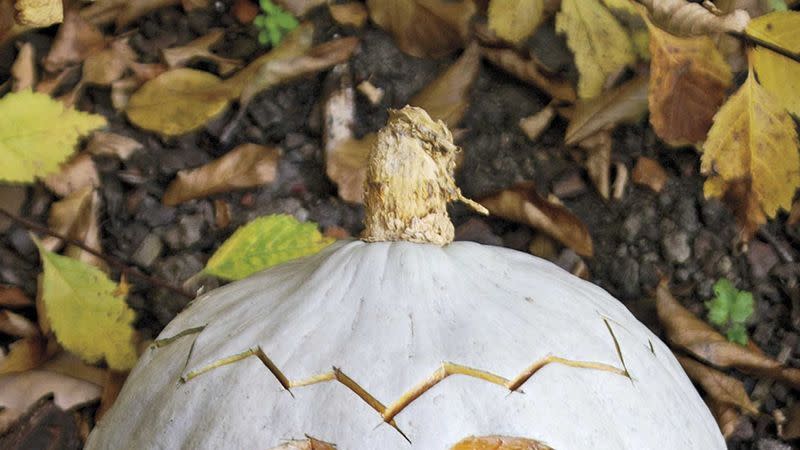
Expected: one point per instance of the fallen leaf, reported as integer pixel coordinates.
(20, 391)
(77, 174)
(23, 354)
(372, 93)
(533, 126)
(108, 65)
(248, 165)
(346, 166)
(104, 143)
(727, 416)
(600, 44)
(50, 134)
(111, 387)
(245, 10)
(598, 161)
(740, 197)
(719, 386)
(76, 217)
(86, 312)
(685, 18)
(686, 331)
(624, 104)
(299, 8)
(522, 204)
(353, 14)
(528, 70)
(70, 365)
(17, 325)
(265, 242)
(753, 138)
(794, 214)
(39, 13)
(200, 48)
(305, 444)
(23, 72)
(648, 172)
(446, 98)
(499, 443)
(76, 39)
(424, 28)
(50, 83)
(44, 421)
(515, 20)
(13, 297)
(779, 75)
(629, 16)
(689, 80)
(12, 199)
(791, 430)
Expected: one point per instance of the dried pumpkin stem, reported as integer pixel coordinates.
(410, 181)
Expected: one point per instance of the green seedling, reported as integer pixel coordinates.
(729, 310)
(273, 23)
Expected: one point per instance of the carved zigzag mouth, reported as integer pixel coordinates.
(390, 411)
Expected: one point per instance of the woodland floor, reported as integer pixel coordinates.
(637, 239)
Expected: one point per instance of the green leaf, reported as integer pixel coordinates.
(737, 333)
(87, 311)
(37, 134)
(718, 311)
(778, 5)
(741, 307)
(263, 243)
(286, 21)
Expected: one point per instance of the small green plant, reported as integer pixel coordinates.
(273, 23)
(730, 309)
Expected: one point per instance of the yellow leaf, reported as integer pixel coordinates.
(627, 12)
(514, 20)
(265, 242)
(87, 311)
(39, 13)
(600, 44)
(754, 139)
(37, 134)
(689, 80)
(779, 75)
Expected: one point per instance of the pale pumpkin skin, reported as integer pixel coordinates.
(387, 315)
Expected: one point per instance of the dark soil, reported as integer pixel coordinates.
(638, 239)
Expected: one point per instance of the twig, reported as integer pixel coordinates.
(130, 272)
(752, 40)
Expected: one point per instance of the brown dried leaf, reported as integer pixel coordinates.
(522, 204)
(447, 97)
(346, 166)
(528, 71)
(248, 165)
(352, 14)
(18, 392)
(648, 172)
(794, 214)
(17, 325)
(424, 28)
(200, 48)
(111, 387)
(623, 104)
(76, 217)
(686, 18)
(43, 421)
(103, 143)
(23, 354)
(689, 80)
(130, 11)
(598, 161)
(727, 416)
(791, 429)
(13, 297)
(69, 364)
(78, 173)
(299, 8)
(110, 64)
(533, 126)
(719, 386)
(688, 332)
(76, 39)
(245, 10)
(23, 72)
(39, 13)
(499, 443)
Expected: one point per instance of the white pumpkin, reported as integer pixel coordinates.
(398, 345)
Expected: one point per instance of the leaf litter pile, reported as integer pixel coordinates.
(153, 150)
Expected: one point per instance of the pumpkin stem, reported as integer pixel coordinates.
(410, 181)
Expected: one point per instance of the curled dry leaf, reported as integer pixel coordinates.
(598, 161)
(727, 417)
(200, 48)
(533, 126)
(446, 98)
(791, 429)
(352, 14)
(13, 297)
(104, 143)
(346, 165)
(17, 325)
(689, 80)
(424, 28)
(624, 104)
(248, 165)
(23, 354)
(648, 172)
(110, 64)
(778, 75)
(112, 385)
(23, 72)
(515, 20)
(76, 217)
(78, 173)
(686, 18)
(688, 332)
(528, 70)
(522, 204)
(499, 443)
(18, 392)
(39, 13)
(719, 386)
(76, 39)
(66, 363)
(299, 8)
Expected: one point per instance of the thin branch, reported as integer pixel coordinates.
(130, 272)
(752, 40)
